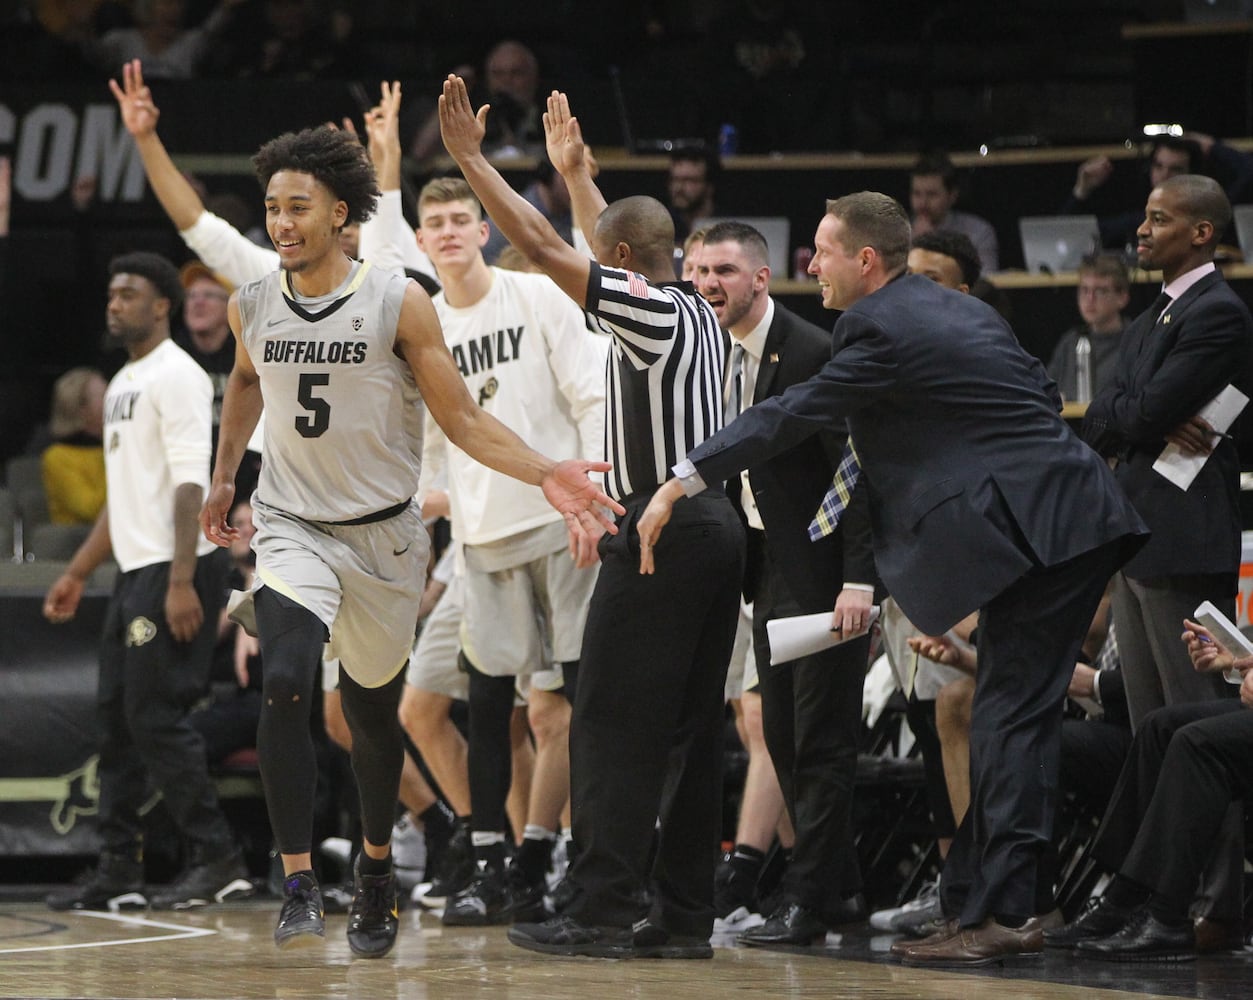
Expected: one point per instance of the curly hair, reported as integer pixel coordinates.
(332, 157)
(160, 272)
(955, 245)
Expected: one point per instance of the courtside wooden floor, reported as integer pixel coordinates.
(227, 952)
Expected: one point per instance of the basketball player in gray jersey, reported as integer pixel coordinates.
(343, 358)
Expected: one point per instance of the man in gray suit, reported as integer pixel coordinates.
(968, 464)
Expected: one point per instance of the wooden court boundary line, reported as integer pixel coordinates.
(183, 932)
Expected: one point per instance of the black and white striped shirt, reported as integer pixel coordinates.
(664, 393)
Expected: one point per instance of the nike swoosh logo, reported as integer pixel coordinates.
(273, 322)
(401, 552)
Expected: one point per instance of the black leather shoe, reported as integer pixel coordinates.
(651, 940)
(791, 924)
(1098, 920)
(1143, 939)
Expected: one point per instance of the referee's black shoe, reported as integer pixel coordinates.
(300, 920)
(563, 935)
(373, 918)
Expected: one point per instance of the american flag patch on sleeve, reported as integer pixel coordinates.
(636, 285)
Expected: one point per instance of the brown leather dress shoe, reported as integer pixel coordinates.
(946, 931)
(1217, 935)
(971, 947)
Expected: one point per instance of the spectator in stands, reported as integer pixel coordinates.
(511, 87)
(291, 39)
(1086, 356)
(1232, 168)
(208, 335)
(169, 49)
(548, 193)
(933, 193)
(73, 464)
(691, 184)
(1171, 156)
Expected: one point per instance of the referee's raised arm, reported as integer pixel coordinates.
(519, 220)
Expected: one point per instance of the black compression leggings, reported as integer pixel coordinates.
(378, 750)
(292, 638)
(291, 651)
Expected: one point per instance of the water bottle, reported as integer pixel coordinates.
(1083, 369)
(728, 140)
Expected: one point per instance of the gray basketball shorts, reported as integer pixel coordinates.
(364, 581)
(433, 664)
(742, 670)
(526, 618)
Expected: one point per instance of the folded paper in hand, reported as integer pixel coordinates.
(1220, 413)
(792, 638)
(1228, 633)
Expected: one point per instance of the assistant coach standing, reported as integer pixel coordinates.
(646, 731)
(970, 468)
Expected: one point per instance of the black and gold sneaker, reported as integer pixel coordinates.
(373, 918)
(301, 918)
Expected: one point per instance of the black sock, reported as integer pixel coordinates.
(1010, 919)
(492, 855)
(747, 860)
(437, 820)
(374, 866)
(1125, 894)
(534, 858)
(1167, 912)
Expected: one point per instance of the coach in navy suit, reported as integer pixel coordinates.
(1174, 358)
(811, 707)
(970, 468)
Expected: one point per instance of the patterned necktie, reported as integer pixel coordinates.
(833, 504)
(1160, 304)
(734, 402)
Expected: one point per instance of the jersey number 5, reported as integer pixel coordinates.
(315, 425)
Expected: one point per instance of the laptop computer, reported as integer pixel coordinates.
(632, 143)
(1244, 230)
(1055, 243)
(777, 230)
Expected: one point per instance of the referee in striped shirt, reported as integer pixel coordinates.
(646, 733)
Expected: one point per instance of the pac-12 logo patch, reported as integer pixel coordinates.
(357, 323)
(140, 631)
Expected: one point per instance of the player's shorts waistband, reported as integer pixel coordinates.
(379, 515)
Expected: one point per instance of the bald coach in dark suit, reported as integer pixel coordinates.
(971, 471)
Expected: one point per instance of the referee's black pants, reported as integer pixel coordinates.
(646, 732)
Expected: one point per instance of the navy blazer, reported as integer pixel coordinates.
(973, 477)
(789, 486)
(1167, 371)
